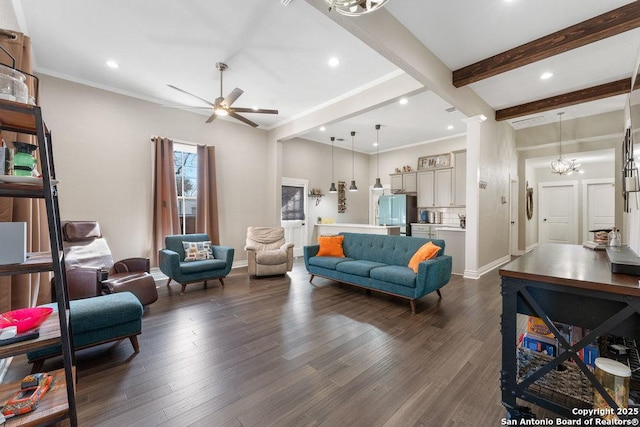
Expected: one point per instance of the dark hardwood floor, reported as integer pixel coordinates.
(280, 351)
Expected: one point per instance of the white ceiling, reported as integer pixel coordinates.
(278, 55)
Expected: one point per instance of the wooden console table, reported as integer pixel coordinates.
(569, 284)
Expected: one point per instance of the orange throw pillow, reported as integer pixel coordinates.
(331, 246)
(426, 251)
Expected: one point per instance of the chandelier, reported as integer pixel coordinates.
(563, 166)
(355, 7)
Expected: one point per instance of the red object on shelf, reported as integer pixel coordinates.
(25, 318)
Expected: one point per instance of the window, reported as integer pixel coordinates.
(186, 169)
(292, 203)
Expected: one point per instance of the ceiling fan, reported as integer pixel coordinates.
(222, 106)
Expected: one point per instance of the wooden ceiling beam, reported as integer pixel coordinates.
(606, 25)
(572, 98)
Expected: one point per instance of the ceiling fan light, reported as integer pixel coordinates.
(355, 7)
(221, 112)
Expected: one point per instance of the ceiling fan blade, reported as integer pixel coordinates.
(188, 93)
(242, 119)
(211, 118)
(231, 98)
(252, 110)
(186, 107)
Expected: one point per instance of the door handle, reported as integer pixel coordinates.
(513, 222)
(545, 220)
(303, 223)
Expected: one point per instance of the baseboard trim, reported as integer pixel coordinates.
(531, 247)
(476, 274)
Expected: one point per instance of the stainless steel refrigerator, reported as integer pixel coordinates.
(398, 209)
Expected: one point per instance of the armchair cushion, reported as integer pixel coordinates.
(75, 231)
(272, 257)
(201, 266)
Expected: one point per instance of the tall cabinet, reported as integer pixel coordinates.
(59, 403)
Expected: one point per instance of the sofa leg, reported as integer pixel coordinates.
(37, 366)
(205, 284)
(439, 294)
(168, 281)
(311, 278)
(134, 343)
(184, 286)
(368, 292)
(412, 303)
(221, 281)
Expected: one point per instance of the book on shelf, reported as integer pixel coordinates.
(596, 246)
(23, 336)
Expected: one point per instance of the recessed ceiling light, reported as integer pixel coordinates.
(403, 101)
(334, 62)
(375, 144)
(322, 128)
(112, 64)
(255, 108)
(449, 127)
(545, 76)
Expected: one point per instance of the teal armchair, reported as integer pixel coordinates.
(198, 268)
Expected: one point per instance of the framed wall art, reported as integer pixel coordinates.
(434, 162)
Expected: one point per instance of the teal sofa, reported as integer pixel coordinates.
(171, 261)
(378, 262)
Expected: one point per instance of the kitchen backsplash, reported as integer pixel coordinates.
(449, 215)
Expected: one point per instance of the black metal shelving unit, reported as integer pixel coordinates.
(572, 285)
(55, 406)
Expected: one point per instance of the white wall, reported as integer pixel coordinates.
(497, 164)
(102, 153)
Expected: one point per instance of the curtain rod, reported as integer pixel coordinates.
(9, 34)
(179, 141)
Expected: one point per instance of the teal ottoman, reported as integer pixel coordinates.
(96, 321)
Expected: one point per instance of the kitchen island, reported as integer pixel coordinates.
(333, 229)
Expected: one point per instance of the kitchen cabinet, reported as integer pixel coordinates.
(403, 182)
(454, 239)
(435, 188)
(460, 178)
(426, 231)
(59, 402)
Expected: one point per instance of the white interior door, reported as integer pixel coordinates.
(598, 199)
(513, 200)
(294, 213)
(557, 219)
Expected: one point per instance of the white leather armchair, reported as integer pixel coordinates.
(267, 253)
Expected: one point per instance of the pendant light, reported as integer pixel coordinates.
(353, 187)
(332, 189)
(378, 185)
(562, 166)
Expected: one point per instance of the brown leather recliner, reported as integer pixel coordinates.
(91, 270)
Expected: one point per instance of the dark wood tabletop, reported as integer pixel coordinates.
(571, 265)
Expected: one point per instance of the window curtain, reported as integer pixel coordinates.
(165, 196)
(26, 290)
(207, 194)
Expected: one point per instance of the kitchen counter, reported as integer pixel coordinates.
(330, 229)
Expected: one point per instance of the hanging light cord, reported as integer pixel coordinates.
(353, 158)
(332, 179)
(560, 116)
(378, 149)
